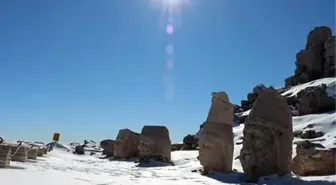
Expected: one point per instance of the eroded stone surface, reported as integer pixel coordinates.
(155, 143)
(312, 161)
(216, 138)
(126, 144)
(268, 136)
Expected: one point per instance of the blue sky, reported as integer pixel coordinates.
(87, 68)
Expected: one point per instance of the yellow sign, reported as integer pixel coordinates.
(56, 137)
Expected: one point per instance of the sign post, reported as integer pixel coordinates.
(56, 137)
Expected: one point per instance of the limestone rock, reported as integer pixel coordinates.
(216, 139)
(268, 136)
(311, 161)
(19, 152)
(5, 154)
(126, 144)
(155, 143)
(108, 146)
(32, 153)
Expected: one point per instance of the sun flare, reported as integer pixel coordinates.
(170, 5)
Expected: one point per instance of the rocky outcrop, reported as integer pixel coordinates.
(267, 144)
(216, 139)
(312, 161)
(155, 144)
(312, 100)
(126, 144)
(317, 60)
(252, 96)
(329, 56)
(108, 146)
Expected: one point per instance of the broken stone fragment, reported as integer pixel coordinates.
(312, 161)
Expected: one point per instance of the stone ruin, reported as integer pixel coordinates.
(155, 144)
(19, 152)
(268, 136)
(5, 154)
(317, 60)
(32, 153)
(312, 161)
(108, 147)
(126, 144)
(216, 140)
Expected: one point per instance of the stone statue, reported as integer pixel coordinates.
(155, 144)
(216, 138)
(268, 136)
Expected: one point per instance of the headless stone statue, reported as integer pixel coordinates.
(155, 144)
(268, 136)
(216, 139)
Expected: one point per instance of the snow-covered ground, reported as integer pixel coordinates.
(61, 167)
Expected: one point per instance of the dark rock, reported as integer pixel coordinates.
(79, 150)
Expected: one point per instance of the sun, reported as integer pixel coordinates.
(170, 5)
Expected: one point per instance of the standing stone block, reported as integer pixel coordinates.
(5, 154)
(32, 153)
(19, 152)
(155, 143)
(268, 136)
(126, 144)
(216, 139)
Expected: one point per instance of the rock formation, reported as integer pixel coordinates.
(155, 144)
(126, 144)
(252, 96)
(317, 60)
(329, 56)
(312, 100)
(268, 136)
(312, 161)
(216, 139)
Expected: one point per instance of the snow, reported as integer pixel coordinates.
(61, 167)
(330, 82)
